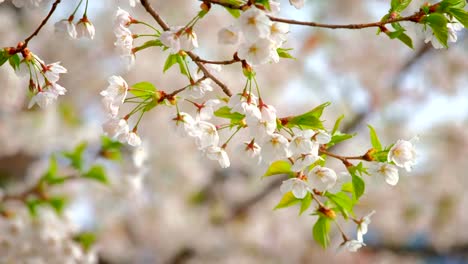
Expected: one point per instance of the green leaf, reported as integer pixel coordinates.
(97, 173)
(76, 156)
(86, 240)
(265, 3)
(234, 12)
(3, 56)
(337, 124)
(406, 40)
(358, 186)
(181, 61)
(143, 89)
(51, 173)
(279, 167)
(347, 187)
(310, 120)
(58, 203)
(438, 24)
(321, 230)
(170, 61)
(343, 202)
(32, 205)
(461, 15)
(374, 138)
(305, 203)
(339, 137)
(284, 53)
(288, 200)
(460, 4)
(14, 61)
(399, 5)
(111, 149)
(225, 112)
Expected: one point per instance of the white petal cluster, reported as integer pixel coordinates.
(298, 187)
(113, 97)
(46, 87)
(258, 36)
(403, 154)
(179, 38)
(46, 238)
(85, 29)
(388, 171)
(66, 27)
(124, 37)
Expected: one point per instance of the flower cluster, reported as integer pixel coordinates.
(47, 238)
(82, 29)
(43, 78)
(113, 97)
(124, 36)
(259, 37)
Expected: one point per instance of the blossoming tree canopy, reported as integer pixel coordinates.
(223, 119)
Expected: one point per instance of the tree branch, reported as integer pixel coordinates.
(44, 21)
(192, 55)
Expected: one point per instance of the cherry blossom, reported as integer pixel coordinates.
(219, 154)
(363, 226)
(66, 26)
(255, 24)
(322, 178)
(403, 154)
(388, 171)
(229, 35)
(85, 29)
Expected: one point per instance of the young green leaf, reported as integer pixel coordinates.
(58, 203)
(461, 15)
(14, 61)
(337, 124)
(143, 89)
(305, 203)
(76, 156)
(406, 40)
(343, 202)
(86, 240)
(170, 61)
(399, 5)
(321, 230)
(234, 12)
(358, 186)
(225, 112)
(374, 138)
(438, 24)
(97, 173)
(284, 53)
(279, 167)
(288, 200)
(3, 56)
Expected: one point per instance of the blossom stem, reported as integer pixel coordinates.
(148, 25)
(76, 8)
(231, 137)
(86, 9)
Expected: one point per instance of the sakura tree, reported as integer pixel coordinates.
(227, 122)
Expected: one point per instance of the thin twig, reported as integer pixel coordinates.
(44, 21)
(192, 55)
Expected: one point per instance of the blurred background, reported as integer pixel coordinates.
(188, 210)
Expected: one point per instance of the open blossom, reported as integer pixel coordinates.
(255, 24)
(388, 171)
(256, 53)
(206, 134)
(363, 226)
(219, 154)
(66, 26)
(85, 29)
(353, 245)
(52, 71)
(131, 138)
(229, 35)
(171, 39)
(297, 3)
(301, 143)
(304, 161)
(188, 40)
(403, 154)
(42, 99)
(278, 33)
(116, 91)
(113, 127)
(198, 89)
(274, 7)
(252, 149)
(122, 19)
(321, 137)
(298, 187)
(322, 178)
(206, 110)
(184, 123)
(276, 147)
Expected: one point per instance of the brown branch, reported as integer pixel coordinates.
(224, 62)
(44, 21)
(192, 55)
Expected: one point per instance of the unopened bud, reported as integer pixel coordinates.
(327, 212)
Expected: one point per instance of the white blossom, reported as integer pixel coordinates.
(117, 90)
(256, 53)
(184, 123)
(206, 110)
(276, 147)
(229, 35)
(219, 154)
(198, 89)
(298, 187)
(301, 143)
(353, 245)
(188, 40)
(363, 226)
(206, 134)
(388, 171)
(85, 29)
(304, 161)
(113, 127)
(252, 149)
(65, 26)
(171, 39)
(42, 99)
(278, 33)
(453, 26)
(255, 24)
(52, 71)
(322, 178)
(403, 154)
